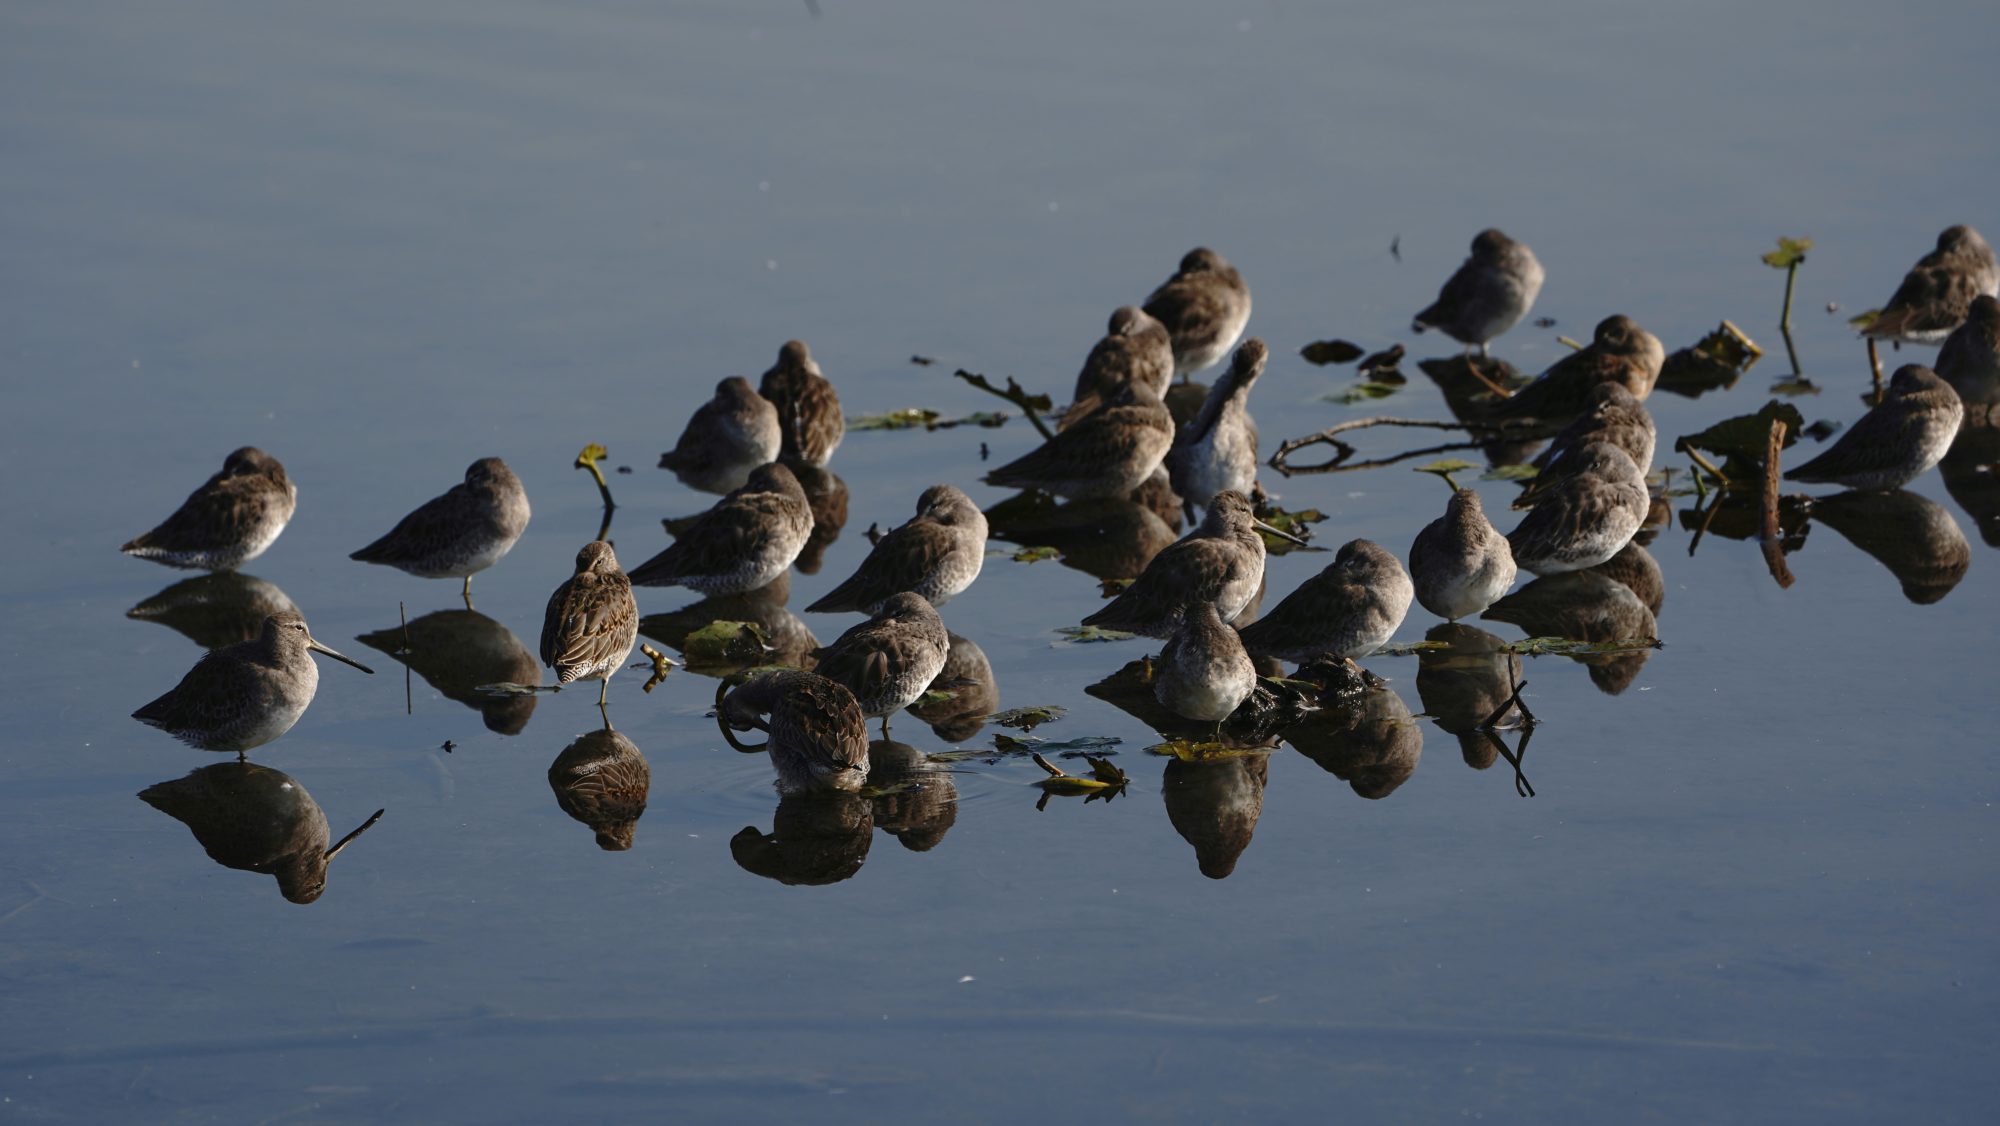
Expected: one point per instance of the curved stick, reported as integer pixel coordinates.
(1342, 450)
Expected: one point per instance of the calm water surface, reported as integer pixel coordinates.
(1758, 883)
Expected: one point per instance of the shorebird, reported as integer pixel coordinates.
(1970, 357)
(1488, 295)
(1107, 453)
(937, 553)
(1459, 563)
(1203, 673)
(592, 621)
(1619, 352)
(227, 522)
(1347, 610)
(743, 542)
(1135, 349)
(810, 424)
(727, 437)
(1610, 414)
(1900, 437)
(1222, 561)
(1587, 518)
(255, 819)
(461, 533)
(818, 737)
(890, 659)
(1938, 291)
(1217, 449)
(602, 780)
(245, 695)
(1204, 307)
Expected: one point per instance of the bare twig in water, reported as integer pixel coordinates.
(1875, 366)
(1771, 541)
(1015, 394)
(1568, 341)
(1280, 461)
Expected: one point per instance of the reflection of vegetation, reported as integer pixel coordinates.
(1028, 718)
(1105, 782)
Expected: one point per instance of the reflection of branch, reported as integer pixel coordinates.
(1014, 394)
(1342, 451)
(1771, 540)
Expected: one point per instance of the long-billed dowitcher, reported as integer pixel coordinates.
(1488, 295)
(255, 819)
(967, 692)
(1348, 610)
(602, 780)
(1970, 357)
(1107, 453)
(245, 695)
(1938, 291)
(1204, 307)
(1611, 413)
(1900, 437)
(1217, 449)
(461, 533)
(592, 620)
(1587, 518)
(227, 522)
(936, 553)
(1619, 352)
(1222, 561)
(1203, 673)
(1135, 349)
(818, 737)
(810, 425)
(890, 659)
(1460, 564)
(743, 542)
(727, 437)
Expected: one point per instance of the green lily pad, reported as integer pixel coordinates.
(1363, 391)
(1511, 473)
(1790, 252)
(1035, 554)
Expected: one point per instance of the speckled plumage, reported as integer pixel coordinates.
(1203, 673)
(1938, 291)
(1222, 562)
(592, 620)
(818, 736)
(1587, 518)
(726, 437)
(461, 533)
(1611, 414)
(744, 541)
(1217, 449)
(1205, 306)
(1350, 609)
(1619, 352)
(1107, 453)
(810, 425)
(1489, 293)
(1135, 349)
(890, 659)
(228, 521)
(1897, 440)
(937, 554)
(1970, 357)
(1459, 563)
(245, 695)
(602, 780)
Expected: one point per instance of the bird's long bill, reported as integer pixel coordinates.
(343, 658)
(1269, 530)
(349, 838)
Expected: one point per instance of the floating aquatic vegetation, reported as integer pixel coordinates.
(1086, 634)
(1382, 365)
(1034, 554)
(1190, 751)
(1713, 363)
(1742, 442)
(1293, 523)
(1028, 718)
(1790, 254)
(660, 663)
(1324, 352)
(1032, 405)
(1106, 781)
(1511, 473)
(923, 361)
(1567, 647)
(934, 696)
(1410, 648)
(723, 643)
(1008, 744)
(912, 418)
(587, 458)
(1361, 391)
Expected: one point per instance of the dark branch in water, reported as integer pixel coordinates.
(1015, 394)
(1281, 461)
(1771, 540)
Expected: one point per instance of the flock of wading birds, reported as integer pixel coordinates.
(1117, 440)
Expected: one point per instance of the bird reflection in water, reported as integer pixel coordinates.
(1105, 539)
(1587, 606)
(602, 780)
(790, 639)
(815, 838)
(1368, 740)
(1214, 806)
(973, 693)
(1469, 690)
(1969, 476)
(1911, 535)
(826, 495)
(916, 802)
(215, 610)
(457, 651)
(255, 819)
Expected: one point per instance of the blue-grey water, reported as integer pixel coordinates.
(381, 240)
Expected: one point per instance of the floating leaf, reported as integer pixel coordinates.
(1189, 751)
(988, 419)
(1448, 465)
(1713, 363)
(1104, 770)
(1035, 554)
(1105, 782)
(1324, 352)
(905, 419)
(1382, 362)
(934, 696)
(725, 643)
(1027, 719)
(1565, 647)
(1747, 437)
(1511, 473)
(1085, 634)
(1790, 252)
(1364, 391)
(1410, 648)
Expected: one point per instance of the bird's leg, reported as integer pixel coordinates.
(466, 592)
(603, 688)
